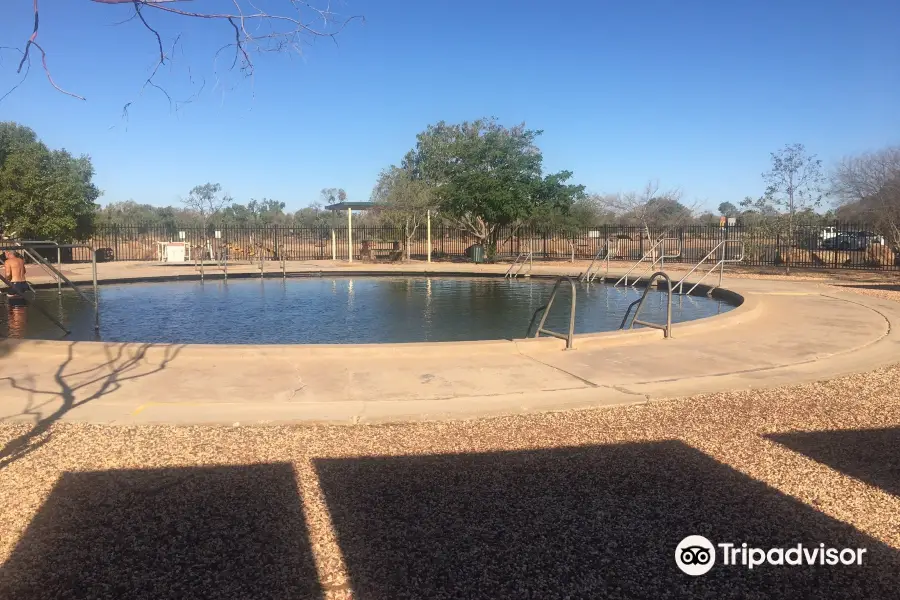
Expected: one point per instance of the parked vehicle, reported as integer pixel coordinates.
(871, 238)
(856, 240)
(828, 233)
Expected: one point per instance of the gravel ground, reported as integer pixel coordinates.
(578, 504)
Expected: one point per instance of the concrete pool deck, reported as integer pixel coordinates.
(784, 332)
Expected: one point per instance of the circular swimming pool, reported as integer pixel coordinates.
(337, 310)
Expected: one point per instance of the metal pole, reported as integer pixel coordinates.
(37, 259)
(722, 266)
(350, 234)
(96, 292)
(333, 246)
(59, 266)
(428, 213)
(283, 267)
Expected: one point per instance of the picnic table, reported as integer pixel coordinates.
(375, 249)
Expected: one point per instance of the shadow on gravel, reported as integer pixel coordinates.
(871, 455)
(585, 522)
(218, 532)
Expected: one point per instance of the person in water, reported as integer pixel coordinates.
(14, 267)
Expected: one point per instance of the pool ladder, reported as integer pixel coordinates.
(720, 265)
(28, 248)
(602, 257)
(568, 337)
(667, 328)
(655, 259)
(515, 269)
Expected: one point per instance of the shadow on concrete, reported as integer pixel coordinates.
(76, 388)
(195, 532)
(585, 522)
(870, 455)
(884, 288)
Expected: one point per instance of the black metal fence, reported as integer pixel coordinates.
(835, 246)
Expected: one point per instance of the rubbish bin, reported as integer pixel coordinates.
(477, 254)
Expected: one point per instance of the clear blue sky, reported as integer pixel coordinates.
(694, 93)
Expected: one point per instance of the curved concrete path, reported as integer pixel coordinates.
(785, 332)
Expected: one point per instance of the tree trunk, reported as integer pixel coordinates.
(407, 239)
(787, 264)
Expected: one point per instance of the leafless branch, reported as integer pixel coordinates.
(280, 30)
(22, 80)
(137, 10)
(49, 76)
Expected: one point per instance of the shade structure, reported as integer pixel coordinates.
(350, 207)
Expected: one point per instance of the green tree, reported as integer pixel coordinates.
(485, 176)
(255, 213)
(403, 202)
(44, 194)
(727, 209)
(313, 215)
(206, 202)
(332, 195)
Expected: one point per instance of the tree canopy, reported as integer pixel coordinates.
(484, 175)
(44, 193)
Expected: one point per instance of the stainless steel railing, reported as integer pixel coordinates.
(568, 337)
(660, 259)
(667, 328)
(721, 246)
(515, 269)
(589, 275)
(27, 250)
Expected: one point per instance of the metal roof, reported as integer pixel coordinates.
(351, 205)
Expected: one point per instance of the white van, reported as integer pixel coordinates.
(828, 233)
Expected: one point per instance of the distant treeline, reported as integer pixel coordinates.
(588, 211)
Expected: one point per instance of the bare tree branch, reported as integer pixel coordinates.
(22, 80)
(282, 30)
(137, 10)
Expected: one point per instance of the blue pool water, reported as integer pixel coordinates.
(337, 310)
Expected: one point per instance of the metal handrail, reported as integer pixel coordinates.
(719, 265)
(527, 258)
(667, 328)
(52, 243)
(660, 259)
(38, 258)
(27, 302)
(570, 337)
(589, 276)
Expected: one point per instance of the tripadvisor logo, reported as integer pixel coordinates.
(696, 555)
